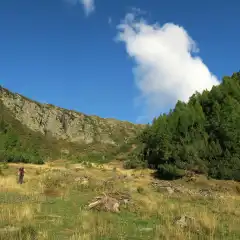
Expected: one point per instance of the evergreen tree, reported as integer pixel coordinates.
(202, 135)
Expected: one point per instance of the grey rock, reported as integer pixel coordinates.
(66, 124)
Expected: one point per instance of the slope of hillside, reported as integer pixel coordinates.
(31, 131)
(53, 204)
(65, 124)
(202, 136)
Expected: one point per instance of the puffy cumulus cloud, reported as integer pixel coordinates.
(88, 5)
(165, 69)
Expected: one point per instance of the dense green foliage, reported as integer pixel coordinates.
(19, 144)
(202, 135)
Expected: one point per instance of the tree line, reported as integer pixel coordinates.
(201, 136)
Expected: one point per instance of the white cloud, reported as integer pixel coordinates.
(88, 5)
(109, 20)
(165, 70)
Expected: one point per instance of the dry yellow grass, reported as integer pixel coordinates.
(16, 213)
(56, 205)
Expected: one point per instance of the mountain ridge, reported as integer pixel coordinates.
(4, 89)
(64, 124)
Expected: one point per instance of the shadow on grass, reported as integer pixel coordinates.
(165, 176)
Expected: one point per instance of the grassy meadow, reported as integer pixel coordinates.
(52, 204)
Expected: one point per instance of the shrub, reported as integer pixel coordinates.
(134, 164)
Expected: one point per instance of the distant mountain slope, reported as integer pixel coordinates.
(65, 124)
(48, 130)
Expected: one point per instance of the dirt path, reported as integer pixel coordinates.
(17, 165)
(54, 165)
(64, 165)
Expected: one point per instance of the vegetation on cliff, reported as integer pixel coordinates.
(201, 136)
(69, 125)
(18, 143)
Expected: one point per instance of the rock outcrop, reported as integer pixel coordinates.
(65, 124)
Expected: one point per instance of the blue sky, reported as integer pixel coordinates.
(53, 52)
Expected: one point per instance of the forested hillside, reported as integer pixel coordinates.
(202, 136)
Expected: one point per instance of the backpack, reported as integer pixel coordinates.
(21, 171)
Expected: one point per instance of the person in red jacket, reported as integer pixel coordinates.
(21, 172)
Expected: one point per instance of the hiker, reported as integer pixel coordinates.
(21, 172)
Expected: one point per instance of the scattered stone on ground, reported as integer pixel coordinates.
(105, 203)
(122, 197)
(165, 186)
(184, 221)
(78, 179)
(82, 180)
(110, 203)
(206, 193)
(169, 190)
(124, 177)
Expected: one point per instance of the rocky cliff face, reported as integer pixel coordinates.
(65, 124)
